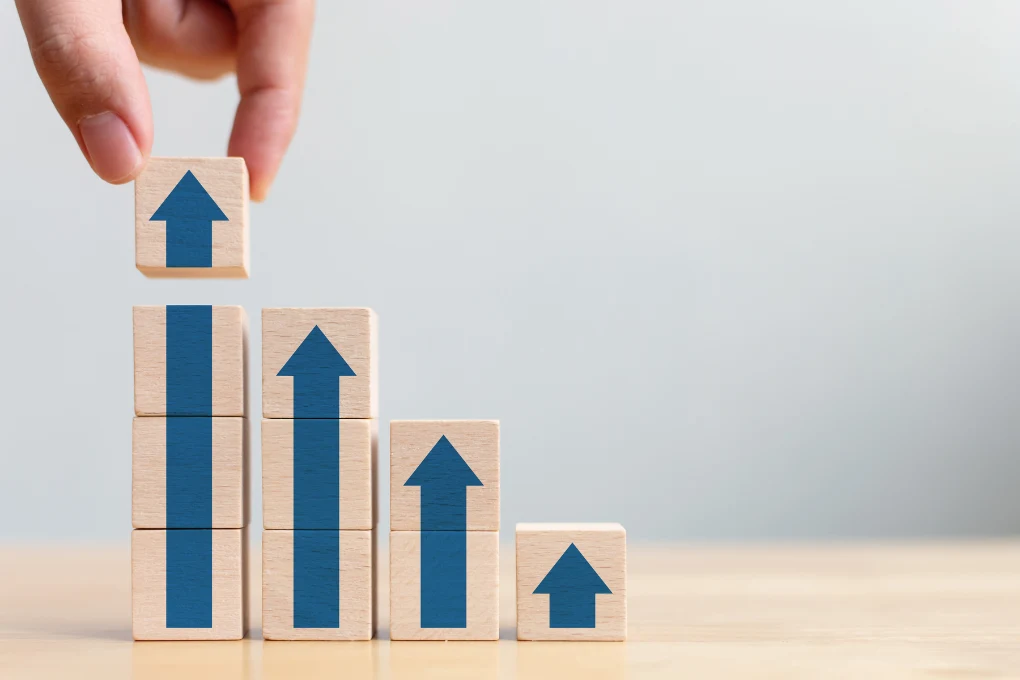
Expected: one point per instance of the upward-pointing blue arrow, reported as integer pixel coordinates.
(189, 212)
(443, 477)
(571, 585)
(316, 367)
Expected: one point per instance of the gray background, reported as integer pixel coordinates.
(724, 270)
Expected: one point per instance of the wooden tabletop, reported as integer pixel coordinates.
(850, 611)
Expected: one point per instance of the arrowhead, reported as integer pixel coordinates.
(189, 201)
(443, 466)
(316, 356)
(572, 573)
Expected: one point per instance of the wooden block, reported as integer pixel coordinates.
(461, 587)
(343, 348)
(189, 584)
(477, 444)
(334, 596)
(347, 476)
(191, 218)
(203, 347)
(206, 478)
(571, 582)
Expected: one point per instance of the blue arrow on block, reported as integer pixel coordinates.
(189, 212)
(443, 477)
(316, 367)
(571, 585)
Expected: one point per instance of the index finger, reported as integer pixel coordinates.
(272, 56)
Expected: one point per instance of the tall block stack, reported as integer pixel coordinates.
(319, 450)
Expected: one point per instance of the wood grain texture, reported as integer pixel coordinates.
(229, 587)
(229, 472)
(477, 441)
(539, 546)
(357, 588)
(229, 368)
(352, 331)
(226, 180)
(482, 589)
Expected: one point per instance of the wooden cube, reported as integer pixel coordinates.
(319, 363)
(189, 584)
(571, 582)
(334, 486)
(438, 466)
(190, 360)
(191, 218)
(189, 473)
(444, 585)
(318, 585)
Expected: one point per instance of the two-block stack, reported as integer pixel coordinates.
(319, 444)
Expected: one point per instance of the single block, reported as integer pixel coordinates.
(191, 218)
(571, 582)
(318, 585)
(444, 475)
(190, 360)
(319, 363)
(189, 584)
(189, 473)
(319, 474)
(444, 585)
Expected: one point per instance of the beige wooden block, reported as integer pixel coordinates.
(357, 483)
(149, 586)
(351, 332)
(356, 605)
(477, 442)
(482, 586)
(548, 561)
(225, 180)
(228, 361)
(229, 469)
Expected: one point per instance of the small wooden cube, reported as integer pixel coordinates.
(334, 595)
(189, 584)
(307, 352)
(457, 598)
(190, 360)
(428, 458)
(199, 465)
(337, 488)
(191, 218)
(571, 582)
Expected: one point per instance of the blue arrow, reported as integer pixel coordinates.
(443, 477)
(316, 367)
(189, 212)
(571, 586)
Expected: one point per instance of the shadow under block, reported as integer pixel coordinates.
(203, 479)
(307, 352)
(338, 486)
(430, 459)
(318, 585)
(444, 585)
(571, 582)
(190, 360)
(189, 584)
(191, 218)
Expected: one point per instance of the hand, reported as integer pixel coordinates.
(87, 54)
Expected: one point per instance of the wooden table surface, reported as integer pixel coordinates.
(842, 611)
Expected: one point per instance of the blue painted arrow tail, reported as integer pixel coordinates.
(316, 474)
(189, 243)
(189, 578)
(443, 508)
(572, 610)
(316, 579)
(316, 396)
(444, 579)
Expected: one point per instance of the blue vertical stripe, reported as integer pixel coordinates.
(189, 578)
(443, 579)
(189, 473)
(189, 360)
(316, 579)
(316, 474)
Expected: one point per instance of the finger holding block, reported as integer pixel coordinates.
(571, 582)
(191, 218)
(331, 475)
(319, 363)
(318, 585)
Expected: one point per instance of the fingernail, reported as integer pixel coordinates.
(111, 146)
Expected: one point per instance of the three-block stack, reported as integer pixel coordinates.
(319, 444)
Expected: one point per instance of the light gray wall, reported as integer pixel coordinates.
(724, 270)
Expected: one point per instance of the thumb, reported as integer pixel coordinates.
(85, 59)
